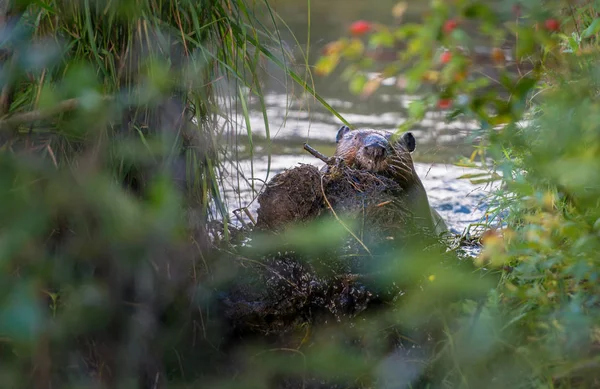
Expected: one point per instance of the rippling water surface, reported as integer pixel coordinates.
(459, 201)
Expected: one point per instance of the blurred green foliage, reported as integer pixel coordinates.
(111, 144)
(113, 263)
(538, 130)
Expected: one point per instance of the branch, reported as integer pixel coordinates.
(317, 154)
(39, 114)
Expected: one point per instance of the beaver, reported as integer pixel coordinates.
(383, 153)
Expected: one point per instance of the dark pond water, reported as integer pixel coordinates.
(295, 117)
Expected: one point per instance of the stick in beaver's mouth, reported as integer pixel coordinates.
(317, 154)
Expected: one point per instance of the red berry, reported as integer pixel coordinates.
(552, 25)
(450, 25)
(445, 57)
(360, 27)
(444, 103)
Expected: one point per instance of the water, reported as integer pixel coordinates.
(295, 117)
(458, 201)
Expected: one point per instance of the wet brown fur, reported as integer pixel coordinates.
(397, 164)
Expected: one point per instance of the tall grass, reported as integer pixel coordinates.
(116, 123)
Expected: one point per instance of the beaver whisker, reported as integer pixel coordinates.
(406, 173)
(362, 148)
(399, 169)
(401, 155)
(403, 162)
(399, 165)
(399, 174)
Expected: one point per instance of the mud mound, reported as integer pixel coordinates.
(285, 291)
(290, 197)
(278, 290)
(375, 202)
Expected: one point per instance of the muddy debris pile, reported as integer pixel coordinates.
(276, 291)
(292, 196)
(286, 290)
(375, 204)
(283, 294)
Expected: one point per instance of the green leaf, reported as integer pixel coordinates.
(526, 42)
(472, 175)
(325, 65)
(573, 45)
(354, 49)
(592, 29)
(479, 11)
(382, 39)
(407, 30)
(461, 36)
(417, 109)
(357, 83)
(525, 85)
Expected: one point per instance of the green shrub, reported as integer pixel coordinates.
(538, 130)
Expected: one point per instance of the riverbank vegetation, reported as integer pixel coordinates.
(120, 266)
(538, 130)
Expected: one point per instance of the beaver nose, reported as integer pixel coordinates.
(376, 146)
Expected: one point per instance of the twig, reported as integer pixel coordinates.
(39, 114)
(52, 155)
(247, 212)
(240, 218)
(574, 20)
(341, 222)
(319, 155)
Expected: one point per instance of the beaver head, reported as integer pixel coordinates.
(379, 152)
(384, 153)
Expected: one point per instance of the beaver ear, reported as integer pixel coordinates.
(410, 141)
(341, 132)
